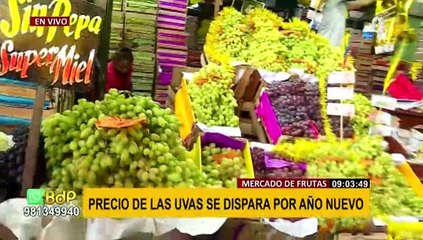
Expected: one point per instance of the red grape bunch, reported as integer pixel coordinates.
(297, 107)
(260, 170)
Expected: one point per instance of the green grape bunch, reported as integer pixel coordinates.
(363, 108)
(79, 154)
(390, 194)
(213, 101)
(222, 166)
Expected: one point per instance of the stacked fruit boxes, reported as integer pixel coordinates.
(140, 35)
(116, 33)
(171, 43)
(134, 26)
(363, 63)
(195, 47)
(380, 67)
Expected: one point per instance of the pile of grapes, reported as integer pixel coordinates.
(223, 166)
(363, 108)
(79, 154)
(362, 158)
(263, 39)
(213, 100)
(260, 170)
(297, 107)
(12, 163)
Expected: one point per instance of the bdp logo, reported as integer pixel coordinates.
(35, 196)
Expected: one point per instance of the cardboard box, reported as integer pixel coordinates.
(177, 75)
(248, 83)
(196, 152)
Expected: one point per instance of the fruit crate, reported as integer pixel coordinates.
(269, 116)
(175, 82)
(134, 26)
(249, 123)
(186, 115)
(174, 5)
(198, 146)
(171, 42)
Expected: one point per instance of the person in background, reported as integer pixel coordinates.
(119, 71)
(334, 18)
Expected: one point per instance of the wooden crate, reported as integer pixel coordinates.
(170, 101)
(373, 236)
(249, 85)
(249, 123)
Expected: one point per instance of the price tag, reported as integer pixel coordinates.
(384, 102)
(383, 118)
(318, 17)
(299, 71)
(188, 76)
(340, 109)
(384, 49)
(381, 130)
(311, 14)
(340, 93)
(341, 78)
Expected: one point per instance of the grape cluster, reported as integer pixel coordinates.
(79, 154)
(360, 158)
(222, 166)
(297, 108)
(360, 120)
(12, 163)
(213, 101)
(264, 40)
(260, 170)
(335, 122)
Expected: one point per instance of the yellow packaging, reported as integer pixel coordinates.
(411, 177)
(183, 110)
(404, 228)
(196, 152)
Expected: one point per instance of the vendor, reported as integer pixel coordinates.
(334, 18)
(119, 71)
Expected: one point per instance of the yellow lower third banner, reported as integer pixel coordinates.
(231, 203)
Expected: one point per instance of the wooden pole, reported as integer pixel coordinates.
(33, 140)
(103, 49)
(341, 127)
(217, 4)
